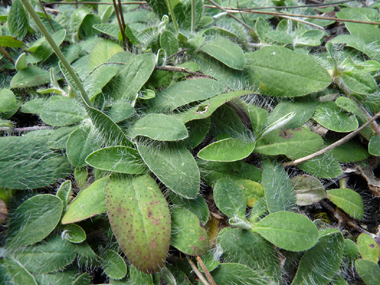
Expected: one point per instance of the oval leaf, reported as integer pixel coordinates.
(288, 230)
(230, 198)
(34, 220)
(120, 159)
(348, 200)
(281, 72)
(368, 247)
(237, 274)
(30, 77)
(140, 220)
(114, 265)
(308, 190)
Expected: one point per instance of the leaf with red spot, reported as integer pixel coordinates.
(188, 234)
(140, 219)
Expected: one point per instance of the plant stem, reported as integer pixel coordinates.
(119, 21)
(47, 17)
(204, 268)
(197, 272)
(332, 146)
(171, 11)
(192, 16)
(57, 51)
(7, 55)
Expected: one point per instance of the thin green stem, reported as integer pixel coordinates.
(171, 11)
(192, 16)
(57, 51)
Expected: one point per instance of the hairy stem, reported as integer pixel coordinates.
(57, 51)
(171, 11)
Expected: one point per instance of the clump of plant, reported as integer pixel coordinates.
(186, 143)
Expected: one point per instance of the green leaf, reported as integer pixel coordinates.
(63, 112)
(21, 62)
(133, 76)
(258, 117)
(197, 132)
(34, 220)
(230, 198)
(188, 235)
(308, 190)
(120, 159)
(86, 28)
(59, 278)
(281, 72)
(323, 166)
(238, 246)
(227, 150)
(114, 265)
(206, 108)
(18, 20)
(198, 206)
(89, 202)
(294, 143)
(368, 248)
(329, 115)
(30, 162)
(64, 192)
(9, 41)
(17, 273)
(213, 171)
(158, 127)
(359, 82)
(326, 255)
(303, 109)
(349, 152)
(7, 100)
(83, 279)
(98, 79)
(252, 190)
(30, 77)
(159, 7)
(80, 175)
(41, 48)
(60, 136)
(102, 52)
(226, 52)
(374, 145)
(348, 200)
(169, 42)
(278, 188)
(73, 233)
(351, 251)
(145, 238)
(236, 274)
(80, 144)
(108, 29)
(185, 92)
(34, 106)
(47, 256)
(174, 165)
(121, 111)
(368, 271)
(140, 277)
(287, 230)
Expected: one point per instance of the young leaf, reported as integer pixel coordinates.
(287, 230)
(102, 52)
(140, 277)
(169, 42)
(258, 117)
(230, 198)
(144, 238)
(329, 115)
(158, 127)
(41, 49)
(89, 202)
(368, 248)
(51, 255)
(64, 192)
(120, 159)
(348, 200)
(227, 150)
(18, 20)
(252, 190)
(281, 72)
(369, 271)
(188, 235)
(226, 52)
(114, 265)
(98, 79)
(308, 190)
(279, 192)
(374, 145)
(34, 220)
(7, 100)
(30, 77)
(238, 246)
(174, 165)
(325, 256)
(80, 144)
(237, 274)
(73, 233)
